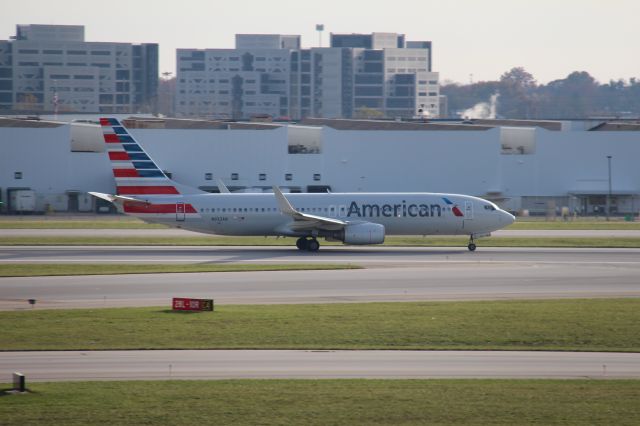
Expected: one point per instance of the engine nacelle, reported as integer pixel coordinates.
(363, 233)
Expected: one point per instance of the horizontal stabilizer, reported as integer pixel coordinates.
(118, 199)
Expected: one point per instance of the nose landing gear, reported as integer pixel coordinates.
(471, 246)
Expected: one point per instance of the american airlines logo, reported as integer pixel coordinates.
(400, 210)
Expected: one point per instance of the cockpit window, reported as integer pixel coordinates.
(489, 207)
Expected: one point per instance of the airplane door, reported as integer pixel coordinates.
(468, 210)
(332, 211)
(468, 214)
(180, 212)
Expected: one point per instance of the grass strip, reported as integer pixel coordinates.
(327, 402)
(119, 223)
(573, 225)
(571, 324)
(124, 222)
(409, 241)
(40, 269)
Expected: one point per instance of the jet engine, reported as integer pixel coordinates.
(360, 233)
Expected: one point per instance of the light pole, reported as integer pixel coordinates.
(609, 193)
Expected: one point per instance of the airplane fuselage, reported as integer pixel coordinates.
(399, 213)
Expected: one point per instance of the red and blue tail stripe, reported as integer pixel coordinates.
(134, 171)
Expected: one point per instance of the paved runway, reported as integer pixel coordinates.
(386, 256)
(172, 232)
(392, 274)
(263, 364)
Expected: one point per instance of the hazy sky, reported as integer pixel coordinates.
(549, 38)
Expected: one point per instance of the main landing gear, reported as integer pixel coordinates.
(471, 246)
(308, 244)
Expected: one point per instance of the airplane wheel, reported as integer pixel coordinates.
(471, 247)
(302, 243)
(313, 245)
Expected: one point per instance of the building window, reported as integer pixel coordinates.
(288, 176)
(208, 176)
(262, 176)
(17, 175)
(234, 176)
(122, 75)
(316, 176)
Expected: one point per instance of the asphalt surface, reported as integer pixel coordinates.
(391, 274)
(240, 364)
(171, 232)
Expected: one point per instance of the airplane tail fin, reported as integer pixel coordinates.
(134, 171)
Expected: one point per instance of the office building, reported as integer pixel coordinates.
(46, 68)
(359, 75)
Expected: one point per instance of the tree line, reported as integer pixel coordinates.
(578, 95)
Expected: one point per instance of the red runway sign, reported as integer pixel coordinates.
(187, 304)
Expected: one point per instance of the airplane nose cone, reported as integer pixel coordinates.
(506, 218)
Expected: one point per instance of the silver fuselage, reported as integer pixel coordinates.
(399, 213)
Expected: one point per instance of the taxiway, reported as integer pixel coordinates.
(391, 274)
(240, 364)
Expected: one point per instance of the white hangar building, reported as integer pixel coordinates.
(538, 166)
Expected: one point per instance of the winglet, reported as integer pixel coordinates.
(283, 203)
(222, 187)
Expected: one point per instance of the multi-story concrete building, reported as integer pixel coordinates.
(360, 75)
(49, 67)
(233, 83)
(392, 77)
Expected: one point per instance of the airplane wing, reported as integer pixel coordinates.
(304, 221)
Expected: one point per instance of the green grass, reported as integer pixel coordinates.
(577, 325)
(573, 225)
(413, 241)
(40, 269)
(127, 222)
(74, 223)
(327, 402)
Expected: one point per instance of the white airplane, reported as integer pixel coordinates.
(144, 191)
